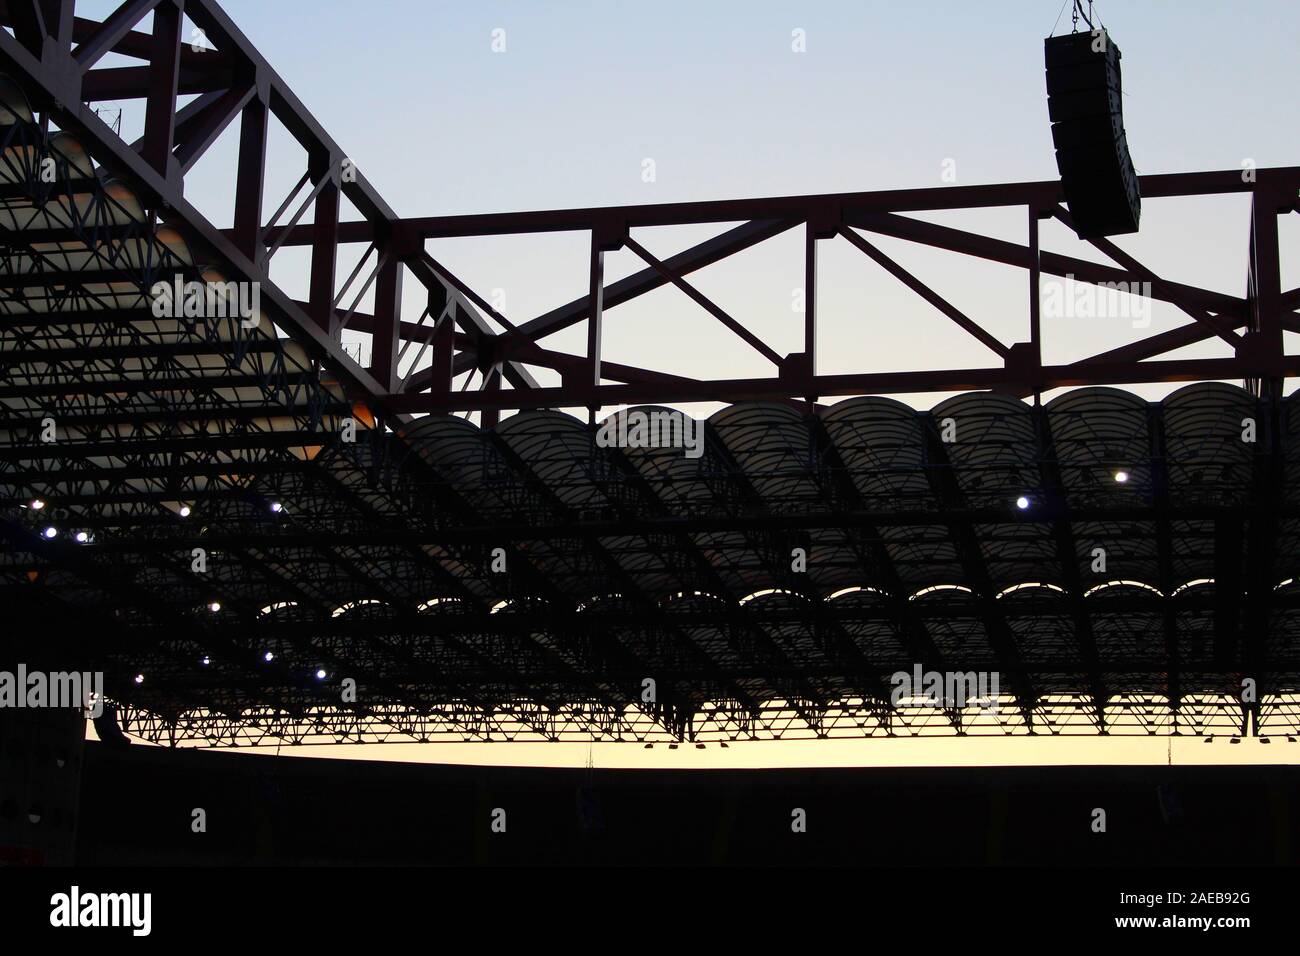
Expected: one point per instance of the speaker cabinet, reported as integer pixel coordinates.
(1085, 107)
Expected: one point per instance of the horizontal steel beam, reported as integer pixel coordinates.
(835, 207)
(144, 446)
(212, 380)
(1042, 516)
(869, 383)
(132, 82)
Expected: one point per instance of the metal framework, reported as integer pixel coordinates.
(377, 558)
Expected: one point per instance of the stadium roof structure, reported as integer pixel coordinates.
(230, 516)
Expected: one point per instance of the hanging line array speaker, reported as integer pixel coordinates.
(1084, 104)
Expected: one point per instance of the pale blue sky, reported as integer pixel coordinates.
(712, 90)
(714, 94)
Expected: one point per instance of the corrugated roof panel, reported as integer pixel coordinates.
(1212, 434)
(1097, 434)
(994, 453)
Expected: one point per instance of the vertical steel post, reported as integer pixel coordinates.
(810, 298)
(1035, 303)
(164, 73)
(595, 317)
(324, 246)
(388, 313)
(1265, 291)
(250, 179)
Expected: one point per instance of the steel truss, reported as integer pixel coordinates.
(379, 567)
